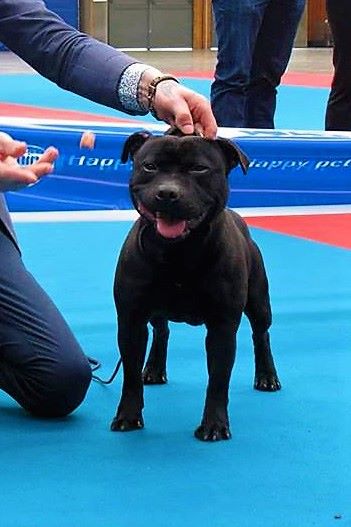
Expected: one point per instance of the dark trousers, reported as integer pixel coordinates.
(255, 39)
(338, 114)
(41, 364)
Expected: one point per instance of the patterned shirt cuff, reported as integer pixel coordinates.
(133, 87)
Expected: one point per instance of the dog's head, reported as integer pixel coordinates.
(180, 182)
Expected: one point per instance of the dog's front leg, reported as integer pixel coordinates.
(220, 349)
(132, 341)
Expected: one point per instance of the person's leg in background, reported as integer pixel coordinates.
(237, 25)
(41, 364)
(338, 112)
(271, 57)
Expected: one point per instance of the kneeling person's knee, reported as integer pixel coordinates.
(63, 390)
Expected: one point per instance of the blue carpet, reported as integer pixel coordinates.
(288, 463)
(297, 107)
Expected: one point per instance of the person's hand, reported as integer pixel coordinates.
(12, 175)
(187, 110)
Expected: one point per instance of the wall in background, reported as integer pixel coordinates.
(96, 17)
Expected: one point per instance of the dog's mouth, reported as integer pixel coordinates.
(167, 226)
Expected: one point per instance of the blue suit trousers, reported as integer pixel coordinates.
(41, 363)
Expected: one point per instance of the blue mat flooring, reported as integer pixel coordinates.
(288, 463)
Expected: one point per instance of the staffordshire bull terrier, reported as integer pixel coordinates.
(188, 259)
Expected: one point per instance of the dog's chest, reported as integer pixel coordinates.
(179, 299)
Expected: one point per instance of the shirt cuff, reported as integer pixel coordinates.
(133, 87)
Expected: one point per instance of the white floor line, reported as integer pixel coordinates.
(130, 215)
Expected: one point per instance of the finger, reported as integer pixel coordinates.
(44, 165)
(5, 142)
(18, 149)
(207, 121)
(182, 117)
(209, 126)
(17, 177)
(203, 117)
(49, 156)
(40, 169)
(9, 160)
(198, 129)
(10, 147)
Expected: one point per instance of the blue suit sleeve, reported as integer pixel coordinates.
(62, 54)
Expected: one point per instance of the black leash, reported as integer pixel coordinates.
(95, 365)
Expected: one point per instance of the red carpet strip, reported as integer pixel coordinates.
(37, 112)
(309, 79)
(333, 229)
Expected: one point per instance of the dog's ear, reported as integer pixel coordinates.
(234, 156)
(132, 145)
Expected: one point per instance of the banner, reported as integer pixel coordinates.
(287, 168)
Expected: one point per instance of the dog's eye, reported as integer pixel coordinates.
(149, 167)
(200, 169)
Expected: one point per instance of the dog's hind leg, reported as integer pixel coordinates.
(258, 311)
(155, 369)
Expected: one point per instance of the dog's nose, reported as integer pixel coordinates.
(169, 192)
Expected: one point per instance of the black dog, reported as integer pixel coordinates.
(188, 259)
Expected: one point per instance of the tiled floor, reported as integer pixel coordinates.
(302, 60)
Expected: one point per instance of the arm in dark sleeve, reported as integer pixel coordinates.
(71, 59)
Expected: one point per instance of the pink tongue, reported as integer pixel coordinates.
(169, 229)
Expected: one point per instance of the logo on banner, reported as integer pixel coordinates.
(31, 156)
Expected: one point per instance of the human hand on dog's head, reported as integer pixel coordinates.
(187, 110)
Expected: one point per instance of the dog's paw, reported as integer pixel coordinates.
(154, 376)
(267, 382)
(213, 432)
(122, 424)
